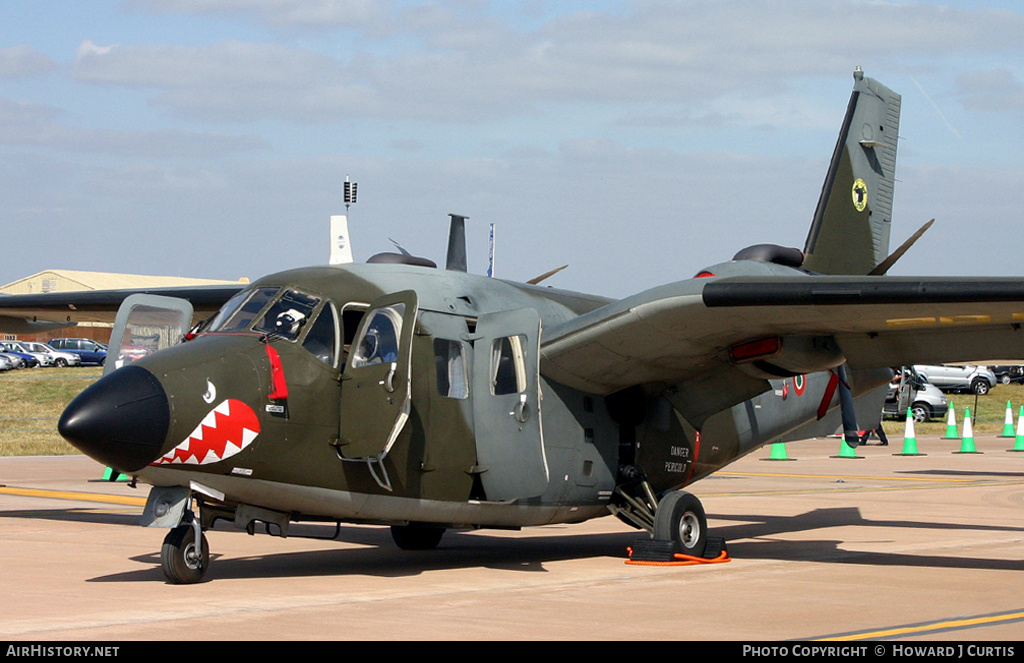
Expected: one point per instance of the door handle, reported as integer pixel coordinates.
(388, 382)
(520, 412)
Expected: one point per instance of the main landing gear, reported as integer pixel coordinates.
(680, 519)
(676, 523)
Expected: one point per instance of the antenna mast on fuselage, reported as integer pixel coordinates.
(341, 243)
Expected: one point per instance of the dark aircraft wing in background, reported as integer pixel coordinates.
(26, 314)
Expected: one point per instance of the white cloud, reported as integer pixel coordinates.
(22, 61)
(637, 141)
(27, 124)
(308, 13)
(469, 68)
(993, 90)
(89, 49)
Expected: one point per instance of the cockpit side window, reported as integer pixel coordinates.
(322, 337)
(378, 342)
(286, 316)
(239, 311)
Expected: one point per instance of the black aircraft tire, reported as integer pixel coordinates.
(177, 558)
(416, 537)
(680, 519)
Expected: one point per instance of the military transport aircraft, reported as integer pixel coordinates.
(424, 398)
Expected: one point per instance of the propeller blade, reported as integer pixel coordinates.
(537, 279)
(400, 247)
(884, 266)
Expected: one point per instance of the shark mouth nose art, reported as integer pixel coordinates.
(223, 432)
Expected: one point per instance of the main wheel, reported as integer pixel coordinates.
(416, 537)
(182, 561)
(680, 519)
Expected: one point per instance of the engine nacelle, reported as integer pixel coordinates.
(786, 356)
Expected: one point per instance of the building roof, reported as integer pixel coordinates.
(65, 280)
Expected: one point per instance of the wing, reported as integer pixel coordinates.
(712, 343)
(21, 314)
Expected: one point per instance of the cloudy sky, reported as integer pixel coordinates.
(636, 141)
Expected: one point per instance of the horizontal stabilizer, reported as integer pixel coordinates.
(884, 266)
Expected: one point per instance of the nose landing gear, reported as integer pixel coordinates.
(185, 554)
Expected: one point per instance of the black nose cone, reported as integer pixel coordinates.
(121, 421)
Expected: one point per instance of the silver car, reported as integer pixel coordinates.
(59, 358)
(975, 379)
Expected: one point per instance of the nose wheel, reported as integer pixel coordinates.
(182, 560)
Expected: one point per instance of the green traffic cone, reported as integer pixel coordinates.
(846, 451)
(1008, 422)
(113, 475)
(1019, 445)
(967, 445)
(778, 452)
(909, 437)
(951, 432)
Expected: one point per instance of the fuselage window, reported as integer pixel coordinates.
(379, 341)
(508, 365)
(450, 360)
(286, 317)
(322, 337)
(238, 313)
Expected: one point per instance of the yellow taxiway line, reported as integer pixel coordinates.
(73, 495)
(933, 627)
(943, 479)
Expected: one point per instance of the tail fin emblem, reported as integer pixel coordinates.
(860, 194)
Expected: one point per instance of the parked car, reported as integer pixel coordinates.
(5, 363)
(975, 379)
(90, 351)
(925, 400)
(15, 360)
(59, 358)
(28, 358)
(45, 359)
(1008, 374)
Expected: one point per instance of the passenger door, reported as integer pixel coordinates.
(506, 405)
(376, 386)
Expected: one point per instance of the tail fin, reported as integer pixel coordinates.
(850, 231)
